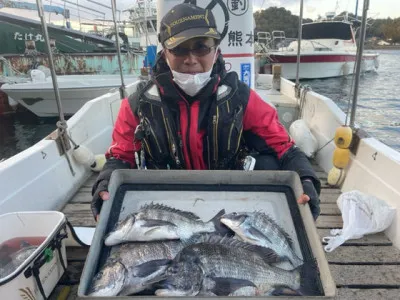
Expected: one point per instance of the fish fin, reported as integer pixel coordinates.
(309, 274)
(156, 223)
(226, 285)
(280, 229)
(147, 268)
(284, 291)
(219, 227)
(258, 235)
(186, 214)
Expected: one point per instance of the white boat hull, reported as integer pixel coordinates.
(75, 91)
(322, 66)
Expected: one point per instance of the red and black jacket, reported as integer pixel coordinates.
(207, 131)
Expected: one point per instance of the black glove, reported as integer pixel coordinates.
(97, 202)
(102, 181)
(314, 202)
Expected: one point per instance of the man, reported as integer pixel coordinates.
(194, 115)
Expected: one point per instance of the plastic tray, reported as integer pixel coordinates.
(206, 193)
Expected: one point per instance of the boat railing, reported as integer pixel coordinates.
(275, 41)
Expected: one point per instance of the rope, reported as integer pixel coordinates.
(301, 92)
(62, 129)
(326, 144)
(12, 69)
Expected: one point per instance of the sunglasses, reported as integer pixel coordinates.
(197, 50)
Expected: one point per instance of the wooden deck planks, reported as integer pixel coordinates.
(366, 268)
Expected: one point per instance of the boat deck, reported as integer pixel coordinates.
(366, 268)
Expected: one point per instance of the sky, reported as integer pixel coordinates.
(312, 8)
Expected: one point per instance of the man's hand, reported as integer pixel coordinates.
(303, 199)
(101, 194)
(311, 196)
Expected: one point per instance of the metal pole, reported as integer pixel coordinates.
(62, 124)
(85, 7)
(299, 48)
(51, 1)
(122, 89)
(356, 9)
(360, 51)
(52, 69)
(106, 6)
(79, 15)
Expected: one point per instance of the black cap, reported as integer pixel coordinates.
(186, 21)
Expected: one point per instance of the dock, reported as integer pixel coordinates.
(366, 268)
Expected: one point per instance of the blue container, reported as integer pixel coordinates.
(151, 56)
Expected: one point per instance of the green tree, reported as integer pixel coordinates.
(275, 18)
(278, 18)
(391, 30)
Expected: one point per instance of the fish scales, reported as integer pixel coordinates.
(225, 266)
(241, 264)
(258, 228)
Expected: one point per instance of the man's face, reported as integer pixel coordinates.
(199, 60)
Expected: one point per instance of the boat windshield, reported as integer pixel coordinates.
(327, 30)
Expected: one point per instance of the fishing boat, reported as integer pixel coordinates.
(328, 49)
(51, 178)
(143, 20)
(37, 94)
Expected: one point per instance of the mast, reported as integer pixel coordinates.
(356, 9)
(122, 88)
(299, 48)
(360, 51)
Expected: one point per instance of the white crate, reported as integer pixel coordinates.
(21, 283)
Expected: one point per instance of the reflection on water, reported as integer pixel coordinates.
(378, 101)
(21, 130)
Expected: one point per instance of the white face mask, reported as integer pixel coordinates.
(191, 84)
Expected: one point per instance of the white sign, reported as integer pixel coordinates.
(18, 36)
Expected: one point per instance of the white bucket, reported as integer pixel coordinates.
(37, 276)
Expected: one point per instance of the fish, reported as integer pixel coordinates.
(155, 222)
(228, 267)
(131, 267)
(9, 264)
(258, 228)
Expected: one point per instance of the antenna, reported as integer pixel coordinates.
(337, 7)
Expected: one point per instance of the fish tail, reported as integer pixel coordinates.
(219, 227)
(310, 284)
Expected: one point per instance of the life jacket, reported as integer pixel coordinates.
(222, 106)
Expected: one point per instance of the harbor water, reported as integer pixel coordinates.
(377, 110)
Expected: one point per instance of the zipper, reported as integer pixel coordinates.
(148, 148)
(154, 135)
(215, 129)
(240, 137)
(208, 152)
(173, 146)
(174, 150)
(188, 131)
(231, 129)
